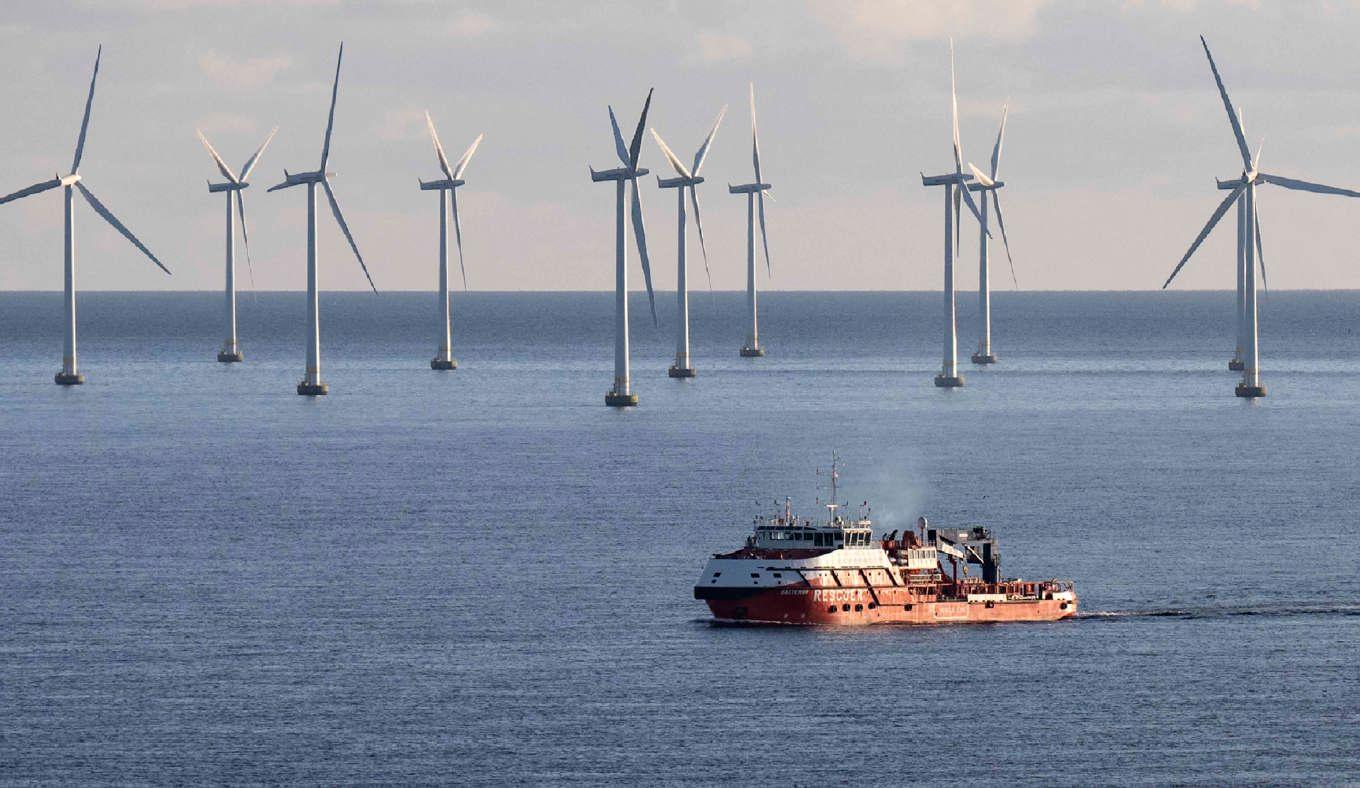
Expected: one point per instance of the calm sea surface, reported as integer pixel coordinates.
(485, 576)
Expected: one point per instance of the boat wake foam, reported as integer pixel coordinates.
(1191, 613)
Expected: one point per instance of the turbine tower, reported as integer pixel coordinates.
(988, 184)
(621, 395)
(234, 185)
(688, 179)
(956, 190)
(1242, 191)
(311, 384)
(755, 203)
(448, 203)
(71, 183)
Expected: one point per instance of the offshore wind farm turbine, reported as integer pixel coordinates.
(448, 203)
(621, 395)
(688, 179)
(1242, 192)
(989, 185)
(311, 384)
(755, 202)
(71, 183)
(956, 190)
(234, 185)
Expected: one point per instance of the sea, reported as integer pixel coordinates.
(485, 576)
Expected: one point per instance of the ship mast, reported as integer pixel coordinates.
(832, 506)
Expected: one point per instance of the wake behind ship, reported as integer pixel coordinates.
(794, 571)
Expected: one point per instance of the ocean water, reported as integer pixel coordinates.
(485, 576)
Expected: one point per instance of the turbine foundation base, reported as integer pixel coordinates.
(444, 363)
(1236, 365)
(1250, 392)
(615, 400)
(752, 352)
(984, 358)
(230, 357)
(680, 372)
(948, 381)
(313, 389)
(69, 378)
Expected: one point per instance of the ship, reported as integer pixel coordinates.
(792, 570)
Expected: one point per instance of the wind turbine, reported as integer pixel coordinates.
(234, 185)
(448, 202)
(311, 384)
(956, 190)
(688, 179)
(1242, 191)
(988, 184)
(70, 183)
(621, 395)
(755, 200)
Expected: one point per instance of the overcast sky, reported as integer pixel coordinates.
(1115, 135)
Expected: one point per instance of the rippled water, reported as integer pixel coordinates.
(485, 576)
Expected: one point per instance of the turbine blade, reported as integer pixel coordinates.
(635, 149)
(764, 241)
(344, 228)
(699, 223)
(980, 175)
(458, 234)
(1257, 158)
(1306, 186)
(755, 137)
(619, 147)
(640, 235)
(1227, 105)
(85, 121)
(954, 112)
(245, 236)
(117, 225)
(1199, 239)
(703, 149)
(34, 189)
(438, 148)
(330, 118)
(1260, 254)
(675, 163)
(221, 165)
(996, 202)
(253, 160)
(962, 188)
(467, 157)
(1000, 134)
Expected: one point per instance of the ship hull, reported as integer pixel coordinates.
(867, 606)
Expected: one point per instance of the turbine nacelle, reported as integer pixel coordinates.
(227, 187)
(974, 186)
(673, 183)
(944, 180)
(69, 180)
(299, 178)
(617, 174)
(749, 188)
(441, 185)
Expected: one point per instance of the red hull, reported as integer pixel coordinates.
(866, 605)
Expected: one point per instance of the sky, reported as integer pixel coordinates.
(1115, 136)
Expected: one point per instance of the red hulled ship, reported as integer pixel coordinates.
(795, 571)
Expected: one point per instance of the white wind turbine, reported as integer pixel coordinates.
(311, 384)
(234, 185)
(688, 179)
(956, 190)
(70, 183)
(1243, 192)
(988, 184)
(621, 395)
(755, 203)
(448, 203)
